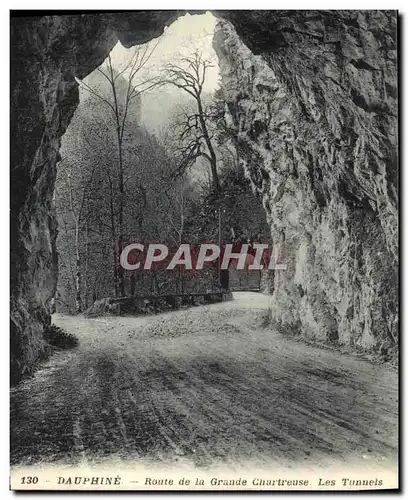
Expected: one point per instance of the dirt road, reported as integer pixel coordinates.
(202, 386)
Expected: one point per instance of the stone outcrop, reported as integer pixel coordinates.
(314, 112)
(47, 54)
(334, 89)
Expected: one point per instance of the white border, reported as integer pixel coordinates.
(4, 197)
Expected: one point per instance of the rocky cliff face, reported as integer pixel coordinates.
(315, 116)
(47, 54)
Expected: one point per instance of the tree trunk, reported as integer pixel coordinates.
(120, 271)
(78, 300)
(213, 158)
(114, 242)
(132, 284)
(86, 266)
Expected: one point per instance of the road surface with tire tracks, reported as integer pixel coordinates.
(203, 386)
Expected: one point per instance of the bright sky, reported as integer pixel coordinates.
(180, 39)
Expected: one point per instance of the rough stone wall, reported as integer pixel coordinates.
(47, 54)
(342, 90)
(315, 115)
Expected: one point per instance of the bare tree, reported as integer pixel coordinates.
(136, 85)
(176, 217)
(195, 137)
(77, 197)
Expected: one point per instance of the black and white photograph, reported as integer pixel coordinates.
(204, 250)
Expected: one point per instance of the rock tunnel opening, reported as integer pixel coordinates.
(292, 75)
(136, 136)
